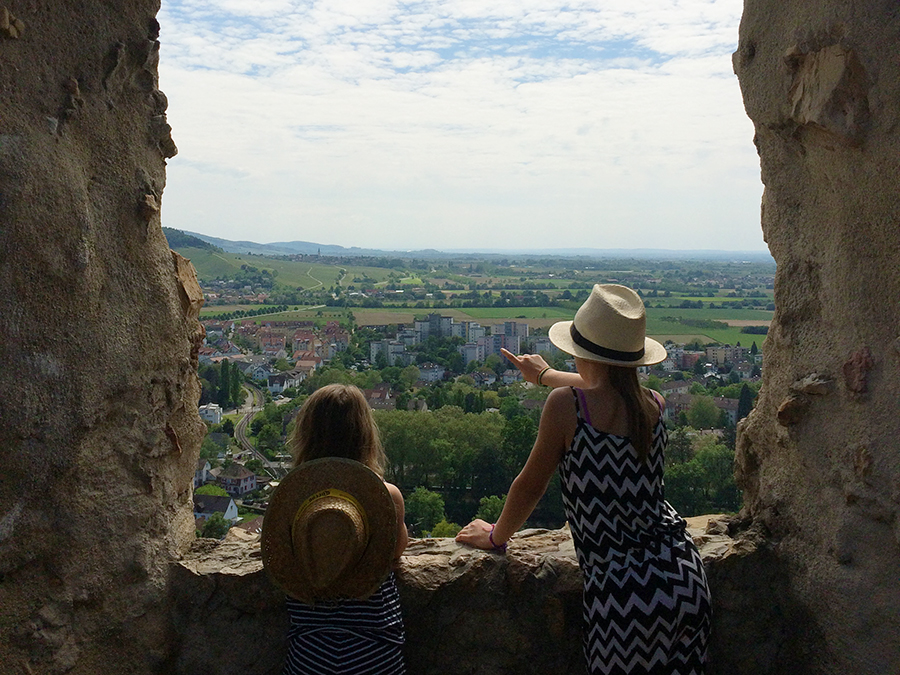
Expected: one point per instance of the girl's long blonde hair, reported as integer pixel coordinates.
(336, 421)
(640, 406)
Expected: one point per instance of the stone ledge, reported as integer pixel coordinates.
(468, 611)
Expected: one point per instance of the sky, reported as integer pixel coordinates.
(460, 124)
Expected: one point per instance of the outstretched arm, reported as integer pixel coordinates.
(532, 365)
(531, 483)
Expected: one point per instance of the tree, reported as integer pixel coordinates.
(684, 488)
(223, 396)
(496, 363)
(703, 413)
(269, 437)
(210, 449)
(215, 527)
(745, 402)
(237, 388)
(211, 489)
(424, 510)
(518, 438)
(699, 367)
(680, 449)
(510, 407)
(754, 350)
(445, 529)
(717, 466)
(228, 427)
(409, 376)
(489, 508)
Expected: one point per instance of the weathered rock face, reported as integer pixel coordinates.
(98, 391)
(819, 458)
(471, 612)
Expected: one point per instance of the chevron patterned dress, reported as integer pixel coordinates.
(646, 600)
(347, 637)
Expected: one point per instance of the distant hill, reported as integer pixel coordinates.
(311, 248)
(179, 239)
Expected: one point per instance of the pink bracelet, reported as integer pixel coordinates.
(501, 547)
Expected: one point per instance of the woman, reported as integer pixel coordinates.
(646, 600)
(331, 539)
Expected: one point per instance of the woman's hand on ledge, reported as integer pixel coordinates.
(477, 534)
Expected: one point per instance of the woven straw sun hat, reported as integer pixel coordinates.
(609, 327)
(330, 531)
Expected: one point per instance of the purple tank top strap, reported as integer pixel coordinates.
(656, 397)
(581, 405)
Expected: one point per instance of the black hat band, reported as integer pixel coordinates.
(606, 353)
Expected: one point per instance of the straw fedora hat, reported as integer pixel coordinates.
(330, 531)
(609, 327)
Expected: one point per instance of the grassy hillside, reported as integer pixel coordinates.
(212, 264)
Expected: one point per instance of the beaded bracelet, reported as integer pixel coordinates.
(501, 547)
(541, 375)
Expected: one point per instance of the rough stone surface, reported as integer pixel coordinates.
(472, 612)
(98, 391)
(820, 468)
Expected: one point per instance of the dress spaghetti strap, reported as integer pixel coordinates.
(581, 409)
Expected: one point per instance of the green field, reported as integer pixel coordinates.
(663, 330)
(212, 265)
(760, 315)
(213, 310)
(509, 313)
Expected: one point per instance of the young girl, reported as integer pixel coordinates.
(646, 600)
(345, 636)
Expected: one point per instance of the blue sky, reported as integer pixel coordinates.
(460, 123)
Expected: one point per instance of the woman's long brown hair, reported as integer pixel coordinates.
(640, 406)
(336, 421)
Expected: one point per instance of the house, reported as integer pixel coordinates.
(279, 382)
(471, 351)
(211, 412)
(260, 372)
(252, 526)
(511, 375)
(730, 406)
(431, 372)
(237, 480)
(744, 369)
(677, 403)
(270, 342)
(720, 355)
(201, 475)
(674, 387)
(380, 398)
(206, 505)
(542, 345)
(483, 378)
(533, 404)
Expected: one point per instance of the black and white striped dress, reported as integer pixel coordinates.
(646, 600)
(347, 637)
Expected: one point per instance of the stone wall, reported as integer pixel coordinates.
(470, 612)
(98, 421)
(819, 458)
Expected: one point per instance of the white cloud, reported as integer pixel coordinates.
(406, 125)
